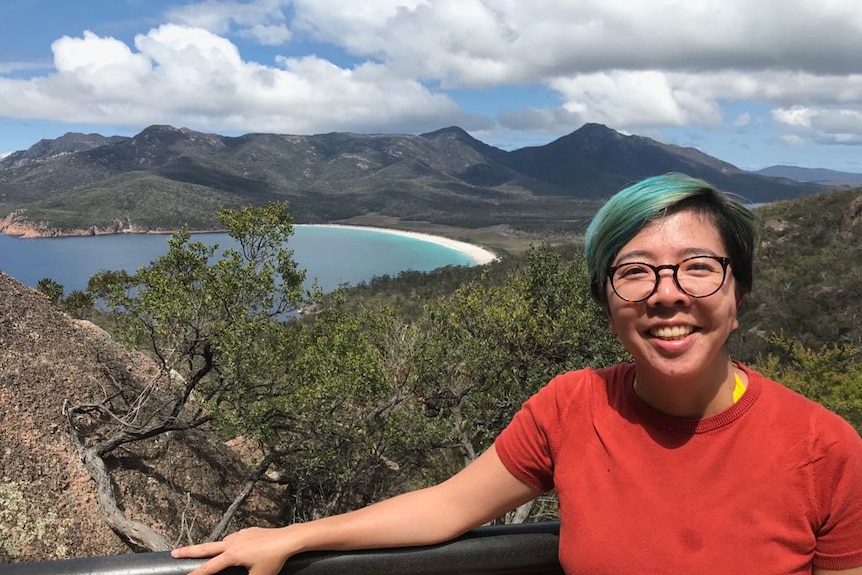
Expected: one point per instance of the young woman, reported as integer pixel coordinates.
(682, 461)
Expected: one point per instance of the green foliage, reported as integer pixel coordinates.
(327, 400)
(409, 291)
(212, 324)
(808, 275)
(103, 284)
(489, 347)
(186, 301)
(50, 288)
(78, 304)
(339, 420)
(830, 375)
(356, 402)
(366, 423)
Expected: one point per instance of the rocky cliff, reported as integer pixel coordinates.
(178, 484)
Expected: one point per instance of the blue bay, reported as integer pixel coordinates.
(333, 255)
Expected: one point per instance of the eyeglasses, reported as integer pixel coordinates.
(698, 276)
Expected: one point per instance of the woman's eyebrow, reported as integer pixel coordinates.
(638, 255)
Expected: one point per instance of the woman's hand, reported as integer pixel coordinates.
(261, 551)
(483, 490)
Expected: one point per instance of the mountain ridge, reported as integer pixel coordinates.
(821, 175)
(166, 177)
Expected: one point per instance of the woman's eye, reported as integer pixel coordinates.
(703, 266)
(632, 271)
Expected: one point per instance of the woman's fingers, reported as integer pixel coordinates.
(198, 551)
(261, 551)
(215, 565)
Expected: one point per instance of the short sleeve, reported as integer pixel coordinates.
(838, 490)
(524, 446)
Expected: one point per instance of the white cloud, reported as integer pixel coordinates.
(625, 63)
(472, 42)
(824, 125)
(844, 138)
(13, 66)
(268, 35)
(793, 140)
(631, 64)
(634, 99)
(838, 121)
(795, 116)
(742, 120)
(189, 76)
(263, 20)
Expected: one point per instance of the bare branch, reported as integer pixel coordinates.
(221, 528)
(135, 532)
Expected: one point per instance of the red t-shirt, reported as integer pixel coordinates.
(771, 485)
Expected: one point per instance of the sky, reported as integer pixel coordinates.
(751, 82)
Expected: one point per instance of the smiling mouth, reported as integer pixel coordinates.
(671, 333)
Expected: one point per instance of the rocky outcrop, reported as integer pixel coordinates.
(853, 214)
(178, 484)
(17, 224)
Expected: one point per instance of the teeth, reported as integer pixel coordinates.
(674, 332)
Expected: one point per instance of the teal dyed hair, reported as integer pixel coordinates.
(630, 209)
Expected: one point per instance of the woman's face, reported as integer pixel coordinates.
(671, 333)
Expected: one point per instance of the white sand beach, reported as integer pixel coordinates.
(480, 255)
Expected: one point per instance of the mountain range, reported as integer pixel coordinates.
(819, 175)
(166, 177)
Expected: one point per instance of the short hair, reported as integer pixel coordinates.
(630, 209)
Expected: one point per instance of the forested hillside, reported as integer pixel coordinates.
(808, 277)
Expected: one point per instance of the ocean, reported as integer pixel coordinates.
(334, 255)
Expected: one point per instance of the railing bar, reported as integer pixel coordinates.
(528, 549)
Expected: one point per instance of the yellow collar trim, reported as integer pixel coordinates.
(738, 387)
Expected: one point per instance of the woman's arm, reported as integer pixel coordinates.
(482, 491)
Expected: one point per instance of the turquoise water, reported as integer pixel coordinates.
(333, 255)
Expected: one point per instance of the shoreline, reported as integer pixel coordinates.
(480, 255)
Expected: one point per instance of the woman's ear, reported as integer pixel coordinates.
(611, 327)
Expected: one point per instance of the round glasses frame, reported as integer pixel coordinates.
(675, 268)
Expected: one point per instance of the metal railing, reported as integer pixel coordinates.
(528, 549)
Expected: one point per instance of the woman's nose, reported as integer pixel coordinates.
(667, 291)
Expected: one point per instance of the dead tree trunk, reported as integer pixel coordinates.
(137, 533)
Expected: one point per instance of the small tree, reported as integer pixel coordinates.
(212, 322)
(50, 288)
(78, 304)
